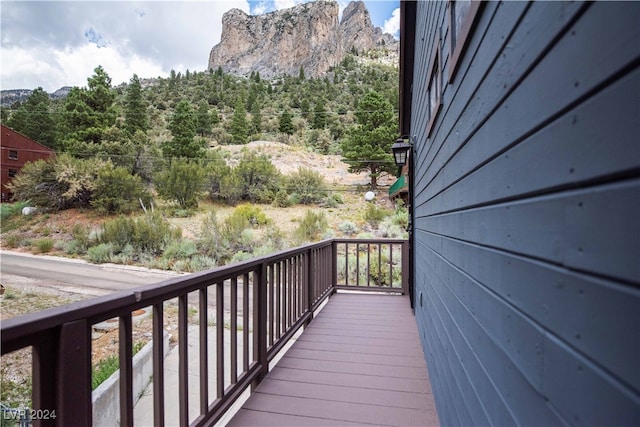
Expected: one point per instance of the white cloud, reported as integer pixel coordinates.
(54, 43)
(392, 25)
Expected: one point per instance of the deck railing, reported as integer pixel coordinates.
(262, 302)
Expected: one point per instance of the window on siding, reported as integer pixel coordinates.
(12, 173)
(462, 16)
(434, 87)
(13, 155)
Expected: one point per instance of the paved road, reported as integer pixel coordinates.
(76, 274)
(81, 277)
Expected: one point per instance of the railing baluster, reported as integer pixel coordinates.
(234, 330)
(183, 361)
(245, 320)
(278, 285)
(368, 264)
(220, 339)
(204, 351)
(380, 264)
(158, 364)
(357, 264)
(271, 306)
(126, 370)
(390, 265)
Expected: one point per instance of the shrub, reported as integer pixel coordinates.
(182, 183)
(44, 245)
(117, 191)
(281, 200)
(180, 249)
(101, 253)
(348, 227)
(374, 215)
(308, 184)
(150, 233)
(333, 201)
(58, 183)
(12, 240)
(311, 227)
(7, 210)
(251, 215)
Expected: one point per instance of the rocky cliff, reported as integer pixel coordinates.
(309, 35)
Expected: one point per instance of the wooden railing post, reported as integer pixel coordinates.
(43, 392)
(405, 268)
(73, 406)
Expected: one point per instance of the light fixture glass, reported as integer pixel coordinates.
(400, 150)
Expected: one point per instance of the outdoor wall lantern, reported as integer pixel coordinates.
(400, 150)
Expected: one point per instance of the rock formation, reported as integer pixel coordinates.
(308, 35)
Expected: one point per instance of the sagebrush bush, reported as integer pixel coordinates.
(150, 233)
(181, 249)
(311, 227)
(308, 185)
(101, 253)
(374, 215)
(348, 227)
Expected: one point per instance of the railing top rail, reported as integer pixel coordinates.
(372, 241)
(104, 307)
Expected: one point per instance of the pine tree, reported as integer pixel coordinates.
(286, 123)
(203, 119)
(135, 108)
(183, 130)
(319, 115)
(88, 113)
(256, 120)
(239, 127)
(368, 144)
(34, 119)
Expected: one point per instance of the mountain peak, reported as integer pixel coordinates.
(308, 35)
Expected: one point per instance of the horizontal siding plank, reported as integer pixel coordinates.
(597, 317)
(588, 143)
(497, 67)
(577, 66)
(592, 230)
(533, 351)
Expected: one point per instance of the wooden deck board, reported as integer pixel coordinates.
(358, 363)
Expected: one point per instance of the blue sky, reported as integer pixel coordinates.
(51, 44)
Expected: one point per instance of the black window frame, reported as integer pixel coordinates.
(457, 41)
(13, 154)
(434, 95)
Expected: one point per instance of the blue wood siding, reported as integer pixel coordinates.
(527, 214)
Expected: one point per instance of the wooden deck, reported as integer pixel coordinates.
(359, 362)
